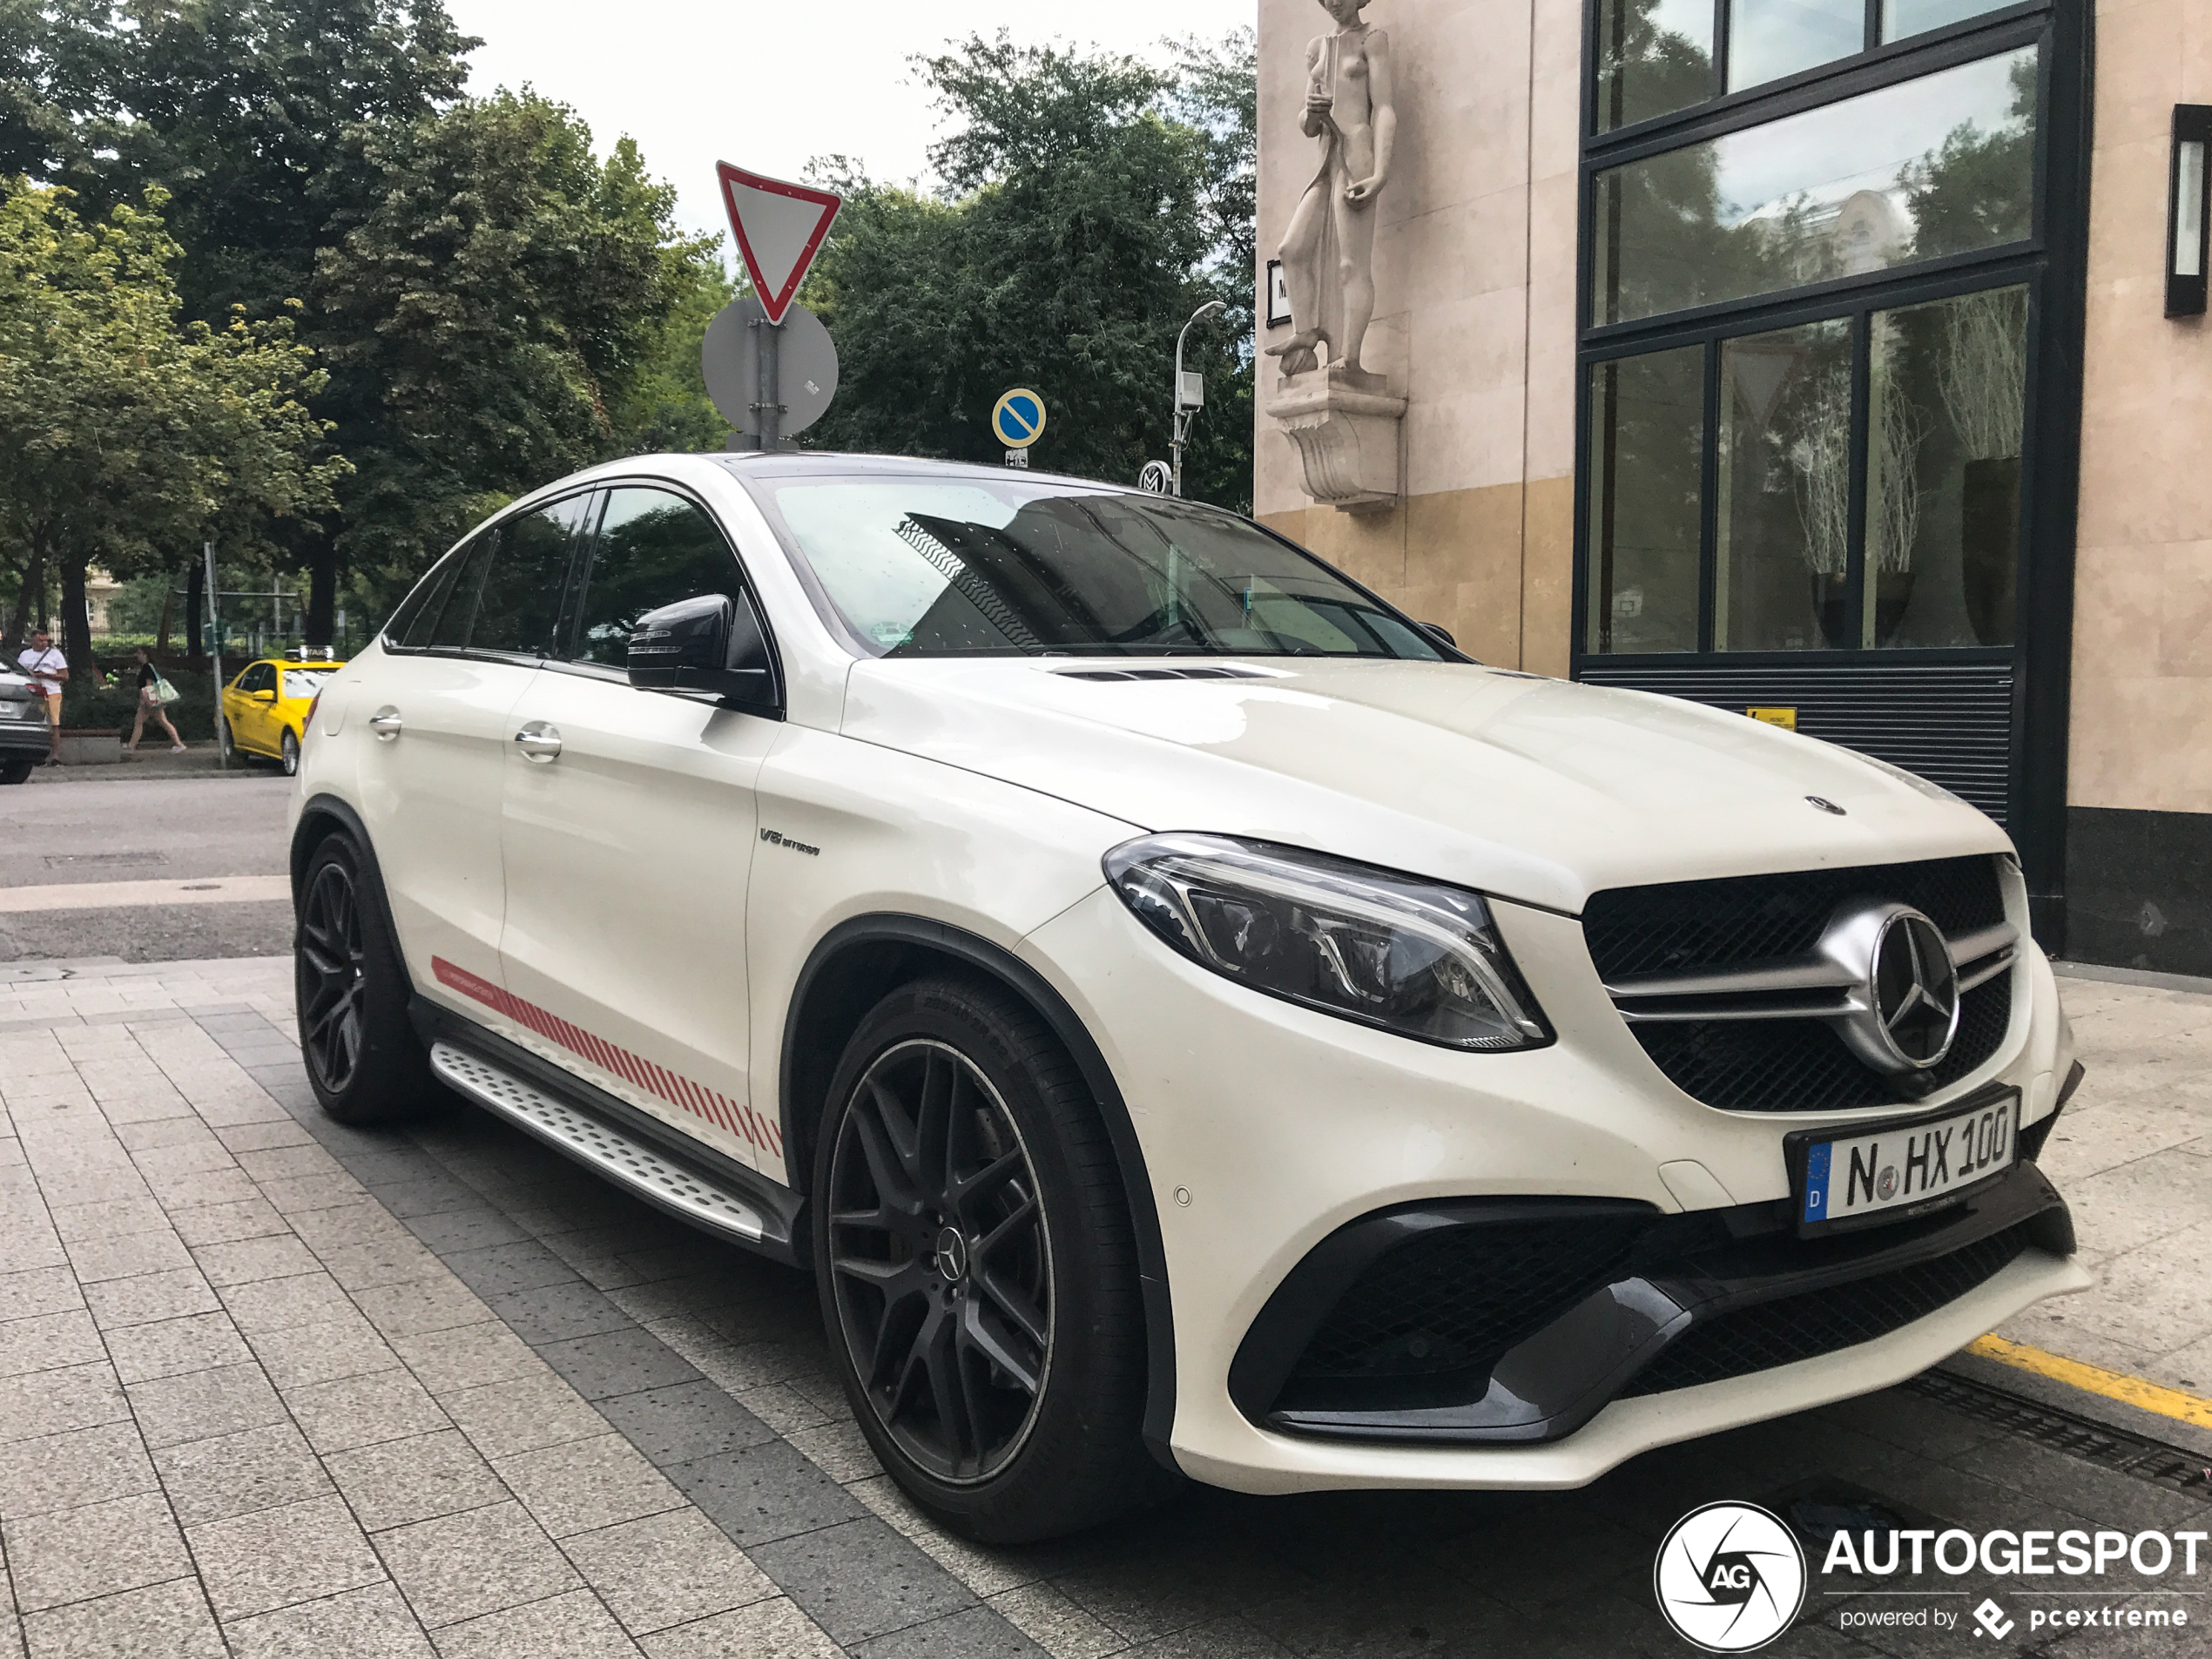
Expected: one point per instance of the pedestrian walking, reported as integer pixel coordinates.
(48, 671)
(155, 695)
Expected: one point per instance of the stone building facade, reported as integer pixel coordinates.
(1811, 357)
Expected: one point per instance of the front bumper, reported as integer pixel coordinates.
(1266, 1128)
(1516, 1321)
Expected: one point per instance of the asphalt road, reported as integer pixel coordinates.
(106, 828)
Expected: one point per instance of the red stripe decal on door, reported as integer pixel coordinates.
(680, 1092)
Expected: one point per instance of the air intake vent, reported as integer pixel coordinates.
(1209, 673)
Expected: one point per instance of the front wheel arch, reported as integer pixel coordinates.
(858, 964)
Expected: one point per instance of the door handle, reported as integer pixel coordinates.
(386, 723)
(539, 742)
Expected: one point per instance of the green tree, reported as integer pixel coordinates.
(124, 436)
(247, 112)
(1079, 227)
(498, 295)
(1218, 92)
(667, 408)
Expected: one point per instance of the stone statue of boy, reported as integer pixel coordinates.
(1328, 254)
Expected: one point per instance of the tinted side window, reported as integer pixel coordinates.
(259, 677)
(654, 548)
(522, 596)
(444, 626)
(422, 598)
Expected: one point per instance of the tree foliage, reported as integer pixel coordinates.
(491, 296)
(487, 313)
(1085, 216)
(123, 434)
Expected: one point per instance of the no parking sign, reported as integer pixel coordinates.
(1018, 418)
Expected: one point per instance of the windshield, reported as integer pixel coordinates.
(305, 682)
(939, 567)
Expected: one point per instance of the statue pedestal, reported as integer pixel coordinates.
(1344, 423)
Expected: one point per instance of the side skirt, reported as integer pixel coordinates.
(613, 1138)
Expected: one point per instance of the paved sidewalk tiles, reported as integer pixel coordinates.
(272, 1386)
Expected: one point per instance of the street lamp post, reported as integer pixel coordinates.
(1189, 394)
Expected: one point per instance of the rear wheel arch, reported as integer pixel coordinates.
(323, 817)
(863, 960)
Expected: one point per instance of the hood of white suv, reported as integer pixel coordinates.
(1534, 789)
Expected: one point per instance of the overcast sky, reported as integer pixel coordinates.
(767, 86)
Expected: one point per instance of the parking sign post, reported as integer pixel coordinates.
(215, 647)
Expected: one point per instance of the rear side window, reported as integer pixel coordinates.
(444, 626)
(522, 594)
(654, 548)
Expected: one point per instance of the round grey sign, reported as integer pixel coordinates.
(806, 366)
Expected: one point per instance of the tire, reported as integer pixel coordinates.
(939, 1266)
(17, 769)
(226, 743)
(290, 754)
(363, 1059)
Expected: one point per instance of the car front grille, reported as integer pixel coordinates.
(1457, 1298)
(1791, 1328)
(1789, 1064)
(1802, 1066)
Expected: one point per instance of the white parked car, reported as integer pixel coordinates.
(1185, 1015)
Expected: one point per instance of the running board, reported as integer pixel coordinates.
(590, 1140)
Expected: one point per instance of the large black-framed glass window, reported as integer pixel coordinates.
(1655, 58)
(1807, 356)
(1939, 165)
(1864, 493)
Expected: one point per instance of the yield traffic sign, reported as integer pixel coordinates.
(780, 228)
(1018, 418)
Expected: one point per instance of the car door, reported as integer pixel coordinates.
(430, 774)
(630, 825)
(250, 708)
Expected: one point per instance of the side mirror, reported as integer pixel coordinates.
(265, 696)
(713, 644)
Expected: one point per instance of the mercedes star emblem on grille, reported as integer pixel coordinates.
(1905, 1014)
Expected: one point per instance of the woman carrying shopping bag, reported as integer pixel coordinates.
(155, 695)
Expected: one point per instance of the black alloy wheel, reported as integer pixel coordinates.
(331, 962)
(941, 1261)
(290, 755)
(365, 1061)
(976, 1256)
(17, 769)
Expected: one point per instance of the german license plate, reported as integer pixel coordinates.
(1903, 1169)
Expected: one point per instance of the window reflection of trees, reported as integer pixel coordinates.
(1646, 455)
(1782, 528)
(1950, 382)
(1654, 57)
(1672, 234)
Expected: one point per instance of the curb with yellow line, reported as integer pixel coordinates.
(2113, 1385)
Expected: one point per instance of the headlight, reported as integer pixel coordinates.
(1386, 949)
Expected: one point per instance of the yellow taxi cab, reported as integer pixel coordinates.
(265, 709)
